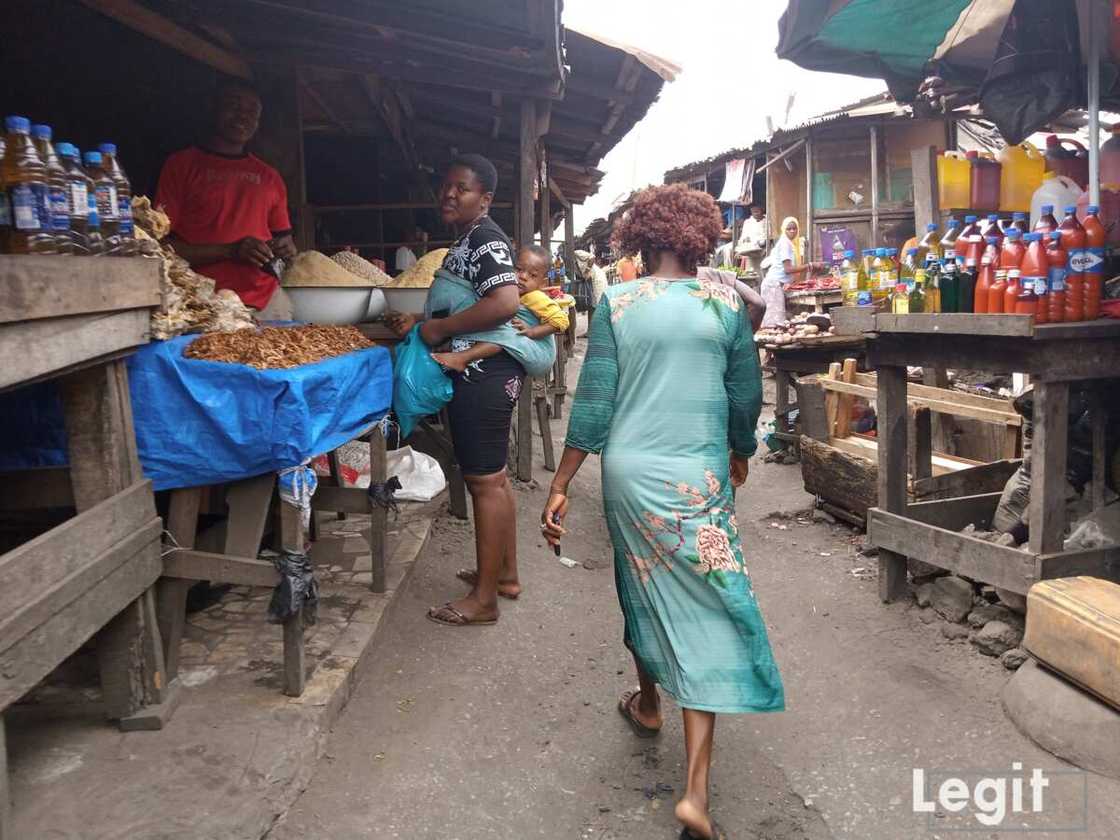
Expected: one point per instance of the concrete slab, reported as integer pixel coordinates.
(237, 752)
(1063, 719)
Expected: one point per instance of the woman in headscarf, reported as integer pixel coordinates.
(787, 263)
(669, 395)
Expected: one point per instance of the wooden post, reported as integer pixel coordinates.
(1048, 467)
(921, 444)
(5, 794)
(546, 202)
(171, 608)
(891, 409)
(923, 165)
(808, 197)
(1097, 418)
(529, 175)
(378, 516)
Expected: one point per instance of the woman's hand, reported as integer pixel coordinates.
(740, 467)
(552, 517)
(519, 325)
(400, 322)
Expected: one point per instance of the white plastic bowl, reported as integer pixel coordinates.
(335, 304)
(405, 300)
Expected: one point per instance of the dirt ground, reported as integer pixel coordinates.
(511, 731)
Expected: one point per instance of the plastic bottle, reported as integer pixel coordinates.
(95, 242)
(910, 265)
(1046, 223)
(1110, 159)
(966, 284)
(1056, 190)
(1072, 163)
(1011, 292)
(991, 227)
(933, 283)
(1093, 263)
(849, 279)
(1073, 240)
(900, 300)
(996, 292)
(918, 293)
(1035, 270)
(57, 206)
(950, 285)
(1019, 220)
(1027, 302)
(953, 179)
(114, 170)
(1012, 253)
(971, 229)
(985, 174)
(25, 181)
(1023, 169)
(106, 194)
(988, 263)
(863, 284)
(78, 188)
(929, 244)
(949, 240)
(1057, 265)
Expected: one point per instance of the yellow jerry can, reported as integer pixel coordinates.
(1073, 627)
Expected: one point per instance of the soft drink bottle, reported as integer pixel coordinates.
(986, 275)
(25, 182)
(1035, 277)
(1094, 261)
(849, 279)
(58, 207)
(115, 171)
(1027, 302)
(969, 233)
(1012, 253)
(950, 285)
(949, 240)
(966, 283)
(1057, 265)
(105, 192)
(1011, 293)
(930, 244)
(996, 292)
(1073, 240)
(79, 186)
(990, 227)
(1020, 221)
(1046, 222)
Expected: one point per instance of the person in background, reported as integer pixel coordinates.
(786, 265)
(627, 269)
(228, 208)
(405, 257)
(754, 239)
(669, 396)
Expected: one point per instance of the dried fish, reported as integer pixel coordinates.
(278, 347)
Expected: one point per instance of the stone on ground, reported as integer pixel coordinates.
(996, 638)
(952, 598)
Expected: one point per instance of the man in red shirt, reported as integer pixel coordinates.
(228, 209)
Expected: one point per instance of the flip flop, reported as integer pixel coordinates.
(459, 620)
(717, 833)
(640, 729)
(471, 576)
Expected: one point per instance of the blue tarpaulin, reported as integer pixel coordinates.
(200, 422)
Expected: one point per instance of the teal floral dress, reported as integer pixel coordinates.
(670, 384)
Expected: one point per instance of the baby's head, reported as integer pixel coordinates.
(533, 263)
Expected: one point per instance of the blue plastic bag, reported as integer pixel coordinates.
(420, 387)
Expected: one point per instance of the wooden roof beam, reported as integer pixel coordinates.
(139, 17)
(321, 104)
(496, 116)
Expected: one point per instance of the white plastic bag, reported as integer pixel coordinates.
(420, 475)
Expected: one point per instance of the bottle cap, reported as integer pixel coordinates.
(1047, 208)
(992, 240)
(931, 226)
(107, 148)
(993, 217)
(849, 254)
(18, 125)
(1018, 216)
(1014, 233)
(969, 219)
(1071, 209)
(1055, 237)
(41, 132)
(901, 287)
(867, 252)
(92, 158)
(953, 222)
(1092, 208)
(892, 252)
(1032, 237)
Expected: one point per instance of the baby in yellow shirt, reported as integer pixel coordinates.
(533, 263)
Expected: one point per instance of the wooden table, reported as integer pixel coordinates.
(814, 300)
(1054, 355)
(813, 355)
(74, 319)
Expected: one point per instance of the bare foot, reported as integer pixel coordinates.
(509, 588)
(693, 815)
(451, 361)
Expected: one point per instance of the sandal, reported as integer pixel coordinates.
(470, 576)
(640, 729)
(448, 616)
(717, 833)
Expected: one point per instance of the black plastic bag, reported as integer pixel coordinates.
(296, 590)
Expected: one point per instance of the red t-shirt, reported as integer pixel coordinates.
(212, 198)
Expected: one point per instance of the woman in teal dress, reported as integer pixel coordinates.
(669, 396)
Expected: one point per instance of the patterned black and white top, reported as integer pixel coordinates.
(483, 255)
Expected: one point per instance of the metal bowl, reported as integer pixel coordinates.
(405, 300)
(335, 304)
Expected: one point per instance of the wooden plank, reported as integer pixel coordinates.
(963, 323)
(549, 457)
(853, 320)
(29, 660)
(1101, 563)
(341, 499)
(1098, 417)
(843, 480)
(141, 18)
(1101, 328)
(63, 344)
(293, 536)
(5, 795)
(171, 596)
(831, 400)
(220, 568)
(923, 166)
(1047, 511)
(46, 286)
(944, 392)
(1008, 568)
(53, 556)
(248, 503)
(956, 513)
(863, 447)
(983, 478)
(811, 410)
(941, 405)
(781, 399)
(295, 668)
(920, 444)
(891, 440)
(378, 516)
(844, 416)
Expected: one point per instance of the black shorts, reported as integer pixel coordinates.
(481, 411)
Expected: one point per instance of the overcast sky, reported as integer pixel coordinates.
(730, 81)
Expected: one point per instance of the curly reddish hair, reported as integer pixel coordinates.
(670, 218)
